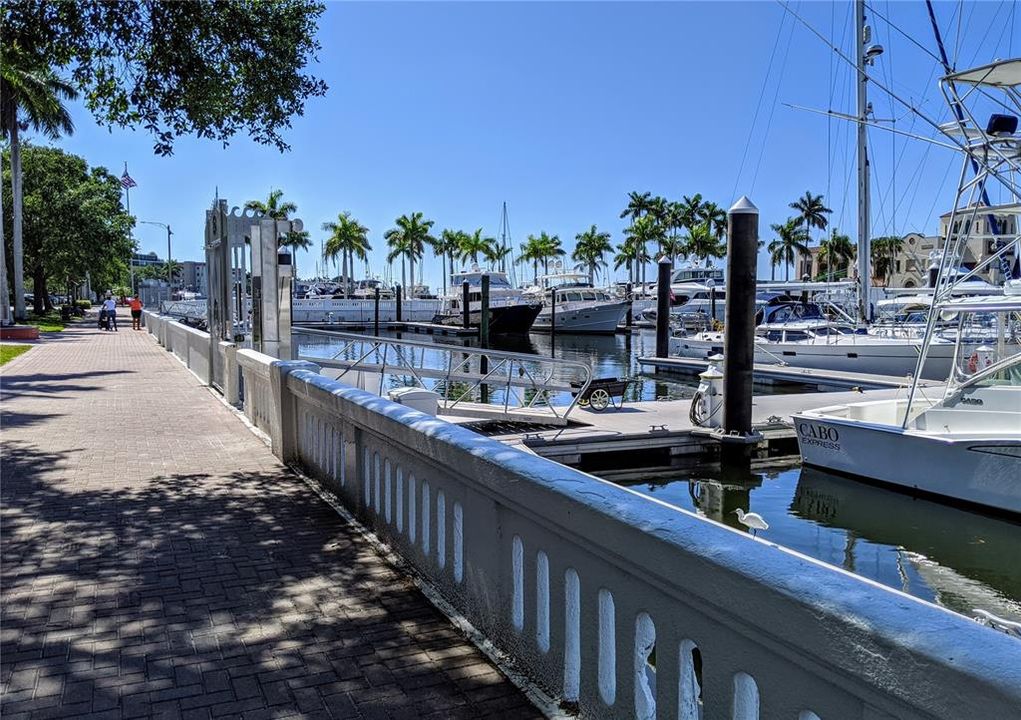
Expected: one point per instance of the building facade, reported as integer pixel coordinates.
(193, 277)
(909, 265)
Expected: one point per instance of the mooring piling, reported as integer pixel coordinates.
(739, 314)
(665, 266)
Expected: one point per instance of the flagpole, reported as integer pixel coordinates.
(131, 235)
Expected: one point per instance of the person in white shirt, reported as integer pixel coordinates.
(110, 306)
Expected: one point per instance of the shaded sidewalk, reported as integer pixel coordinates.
(158, 560)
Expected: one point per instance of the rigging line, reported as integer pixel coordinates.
(957, 42)
(881, 215)
(935, 196)
(772, 109)
(978, 47)
(758, 106)
(999, 39)
(896, 27)
(834, 146)
(870, 78)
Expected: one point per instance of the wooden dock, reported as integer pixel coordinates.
(420, 328)
(766, 374)
(652, 436)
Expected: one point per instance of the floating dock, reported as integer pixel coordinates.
(656, 436)
(391, 326)
(766, 374)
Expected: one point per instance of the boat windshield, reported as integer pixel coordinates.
(496, 280)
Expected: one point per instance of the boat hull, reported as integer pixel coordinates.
(503, 319)
(972, 471)
(601, 319)
(886, 358)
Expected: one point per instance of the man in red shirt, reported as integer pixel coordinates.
(136, 313)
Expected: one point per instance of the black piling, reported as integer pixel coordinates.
(398, 292)
(630, 315)
(663, 308)
(484, 336)
(375, 324)
(484, 313)
(712, 304)
(553, 312)
(739, 318)
(465, 312)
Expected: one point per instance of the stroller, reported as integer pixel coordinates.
(104, 319)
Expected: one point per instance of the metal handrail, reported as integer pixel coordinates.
(508, 371)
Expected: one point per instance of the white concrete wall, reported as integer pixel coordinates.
(577, 579)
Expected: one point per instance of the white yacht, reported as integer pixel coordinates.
(964, 446)
(688, 282)
(798, 334)
(579, 307)
(509, 310)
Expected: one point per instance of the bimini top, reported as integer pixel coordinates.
(1002, 74)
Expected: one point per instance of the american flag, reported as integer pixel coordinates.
(126, 180)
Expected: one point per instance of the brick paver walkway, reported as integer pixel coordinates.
(158, 560)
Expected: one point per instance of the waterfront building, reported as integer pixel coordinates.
(909, 266)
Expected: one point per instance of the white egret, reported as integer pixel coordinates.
(752, 521)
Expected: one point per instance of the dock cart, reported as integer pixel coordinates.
(602, 393)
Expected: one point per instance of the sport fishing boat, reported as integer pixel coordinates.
(509, 310)
(964, 446)
(579, 307)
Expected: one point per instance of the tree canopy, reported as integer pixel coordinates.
(212, 69)
(73, 222)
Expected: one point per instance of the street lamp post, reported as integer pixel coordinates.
(170, 267)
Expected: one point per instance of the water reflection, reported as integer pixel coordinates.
(955, 558)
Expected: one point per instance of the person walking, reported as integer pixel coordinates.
(136, 313)
(110, 305)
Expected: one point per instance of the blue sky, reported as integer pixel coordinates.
(560, 109)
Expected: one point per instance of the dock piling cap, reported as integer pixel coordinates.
(743, 206)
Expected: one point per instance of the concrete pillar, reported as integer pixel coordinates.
(284, 425)
(663, 307)
(739, 324)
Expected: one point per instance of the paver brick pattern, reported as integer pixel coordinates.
(157, 560)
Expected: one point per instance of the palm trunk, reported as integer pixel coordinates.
(443, 264)
(343, 270)
(535, 272)
(404, 278)
(411, 263)
(5, 295)
(16, 199)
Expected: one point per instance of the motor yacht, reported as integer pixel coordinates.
(579, 307)
(509, 310)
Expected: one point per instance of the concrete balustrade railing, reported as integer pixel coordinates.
(617, 604)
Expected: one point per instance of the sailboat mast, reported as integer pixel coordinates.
(864, 250)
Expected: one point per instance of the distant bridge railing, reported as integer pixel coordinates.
(470, 381)
(613, 603)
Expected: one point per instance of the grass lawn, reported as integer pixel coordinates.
(48, 322)
(8, 352)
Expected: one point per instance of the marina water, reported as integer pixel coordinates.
(955, 558)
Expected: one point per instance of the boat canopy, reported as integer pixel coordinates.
(474, 278)
(1001, 74)
(983, 304)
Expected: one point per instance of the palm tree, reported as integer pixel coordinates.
(349, 239)
(811, 211)
(532, 251)
(836, 248)
(589, 249)
(883, 250)
(626, 256)
(643, 231)
(716, 217)
(473, 245)
(792, 239)
(447, 245)
(273, 208)
(639, 205)
(703, 243)
(30, 88)
(408, 240)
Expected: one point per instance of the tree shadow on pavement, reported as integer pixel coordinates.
(239, 592)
